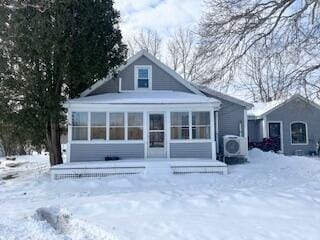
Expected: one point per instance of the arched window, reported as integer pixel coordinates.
(299, 133)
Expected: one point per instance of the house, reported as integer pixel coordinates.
(148, 111)
(293, 124)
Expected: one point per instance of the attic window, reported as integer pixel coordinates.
(143, 77)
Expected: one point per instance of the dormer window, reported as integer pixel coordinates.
(143, 77)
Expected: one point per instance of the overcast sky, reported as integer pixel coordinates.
(161, 15)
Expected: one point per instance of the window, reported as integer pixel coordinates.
(180, 125)
(116, 126)
(200, 125)
(98, 126)
(135, 126)
(143, 77)
(79, 126)
(298, 133)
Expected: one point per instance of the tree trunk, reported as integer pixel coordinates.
(53, 143)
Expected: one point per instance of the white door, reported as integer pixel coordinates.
(156, 135)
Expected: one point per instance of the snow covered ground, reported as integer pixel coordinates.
(272, 197)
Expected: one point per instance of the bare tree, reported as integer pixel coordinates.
(231, 28)
(267, 74)
(183, 55)
(146, 40)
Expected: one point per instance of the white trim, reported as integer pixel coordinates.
(131, 60)
(281, 133)
(212, 136)
(264, 127)
(69, 122)
(168, 132)
(136, 69)
(120, 84)
(307, 134)
(245, 130)
(217, 131)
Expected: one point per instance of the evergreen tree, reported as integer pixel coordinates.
(56, 49)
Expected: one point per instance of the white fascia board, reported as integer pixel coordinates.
(142, 107)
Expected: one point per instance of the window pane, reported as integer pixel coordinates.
(143, 73)
(79, 119)
(135, 133)
(200, 118)
(179, 132)
(135, 119)
(143, 83)
(298, 131)
(156, 139)
(98, 119)
(201, 132)
(156, 121)
(180, 118)
(79, 133)
(117, 133)
(98, 133)
(116, 119)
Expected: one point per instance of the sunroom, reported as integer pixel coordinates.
(141, 125)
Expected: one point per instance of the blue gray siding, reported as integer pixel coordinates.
(161, 80)
(97, 152)
(255, 132)
(190, 150)
(230, 116)
(298, 110)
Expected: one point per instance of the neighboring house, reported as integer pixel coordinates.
(293, 124)
(148, 111)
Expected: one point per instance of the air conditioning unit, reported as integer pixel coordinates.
(234, 146)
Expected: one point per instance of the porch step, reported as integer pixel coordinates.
(151, 168)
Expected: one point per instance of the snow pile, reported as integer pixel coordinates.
(261, 108)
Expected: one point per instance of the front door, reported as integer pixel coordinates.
(275, 135)
(156, 136)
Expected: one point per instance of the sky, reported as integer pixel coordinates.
(164, 16)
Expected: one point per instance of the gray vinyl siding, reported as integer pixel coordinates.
(112, 86)
(255, 130)
(161, 80)
(97, 152)
(190, 150)
(230, 116)
(298, 110)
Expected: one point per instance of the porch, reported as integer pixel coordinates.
(155, 167)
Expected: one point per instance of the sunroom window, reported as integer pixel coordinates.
(180, 125)
(135, 126)
(200, 125)
(143, 77)
(298, 133)
(79, 126)
(117, 126)
(98, 126)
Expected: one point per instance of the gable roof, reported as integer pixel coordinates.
(131, 60)
(262, 109)
(226, 97)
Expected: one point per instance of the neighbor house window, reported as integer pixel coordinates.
(98, 126)
(116, 123)
(135, 126)
(180, 125)
(79, 126)
(298, 133)
(143, 77)
(200, 125)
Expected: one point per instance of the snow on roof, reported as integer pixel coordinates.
(145, 97)
(261, 108)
